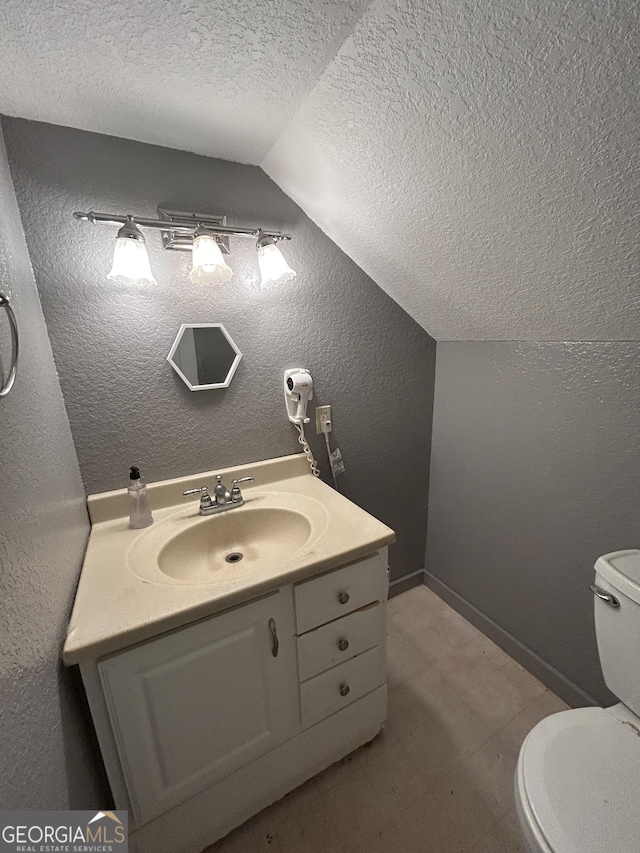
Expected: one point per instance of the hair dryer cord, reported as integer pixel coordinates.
(307, 450)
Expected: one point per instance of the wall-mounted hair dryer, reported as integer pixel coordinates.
(298, 390)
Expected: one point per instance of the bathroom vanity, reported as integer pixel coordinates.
(213, 696)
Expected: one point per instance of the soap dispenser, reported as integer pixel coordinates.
(139, 509)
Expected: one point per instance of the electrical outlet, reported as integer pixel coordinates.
(323, 413)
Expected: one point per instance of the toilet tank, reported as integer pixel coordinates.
(618, 628)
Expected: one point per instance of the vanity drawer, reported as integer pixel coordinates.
(342, 591)
(341, 640)
(338, 687)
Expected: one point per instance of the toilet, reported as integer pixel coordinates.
(577, 782)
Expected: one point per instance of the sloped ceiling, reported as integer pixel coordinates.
(477, 158)
(217, 78)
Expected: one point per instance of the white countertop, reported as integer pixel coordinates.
(124, 598)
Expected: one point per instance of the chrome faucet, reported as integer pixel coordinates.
(222, 498)
(221, 494)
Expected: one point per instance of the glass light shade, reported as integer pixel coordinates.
(273, 267)
(209, 266)
(131, 261)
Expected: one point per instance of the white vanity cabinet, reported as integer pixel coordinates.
(341, 624)
(197, 704)
(204, 726)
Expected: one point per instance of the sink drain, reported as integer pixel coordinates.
(234, 557)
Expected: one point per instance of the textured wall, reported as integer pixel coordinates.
(126, 405)
(210, 76)
(46, 760)
(476, 160)
(534, 473)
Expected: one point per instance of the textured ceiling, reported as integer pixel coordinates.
(479, 161)
(477, 158)
(217, 78)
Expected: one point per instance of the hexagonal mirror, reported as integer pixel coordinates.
(204, 356)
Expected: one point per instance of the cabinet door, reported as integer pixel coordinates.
(192, 706)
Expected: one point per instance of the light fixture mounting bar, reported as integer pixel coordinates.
(176, 237)
(178, 227)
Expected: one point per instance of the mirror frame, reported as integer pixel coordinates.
(232, 344)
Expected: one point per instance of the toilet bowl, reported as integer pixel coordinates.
(577, 781)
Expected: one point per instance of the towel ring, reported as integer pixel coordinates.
(11, 378)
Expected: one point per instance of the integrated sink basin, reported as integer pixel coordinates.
(138, 584)
(265, 533)
(234, 544)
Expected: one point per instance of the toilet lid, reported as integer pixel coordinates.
(581, 775)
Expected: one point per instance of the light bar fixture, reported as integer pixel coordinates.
(205, 235)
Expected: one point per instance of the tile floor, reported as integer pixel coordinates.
(439, 777)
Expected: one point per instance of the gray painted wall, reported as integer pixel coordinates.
(534, 473)
(47, 761)
(369, 359)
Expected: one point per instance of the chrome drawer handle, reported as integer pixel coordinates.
(275, 643)
(344, 689)
(343, 598)
(605, 596)
(343, 645)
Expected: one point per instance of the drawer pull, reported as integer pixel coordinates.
(275, 643)
(343, 645)
(343, 598)
(344, 689)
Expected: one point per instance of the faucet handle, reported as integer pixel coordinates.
(236, 494)
(205, 497)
